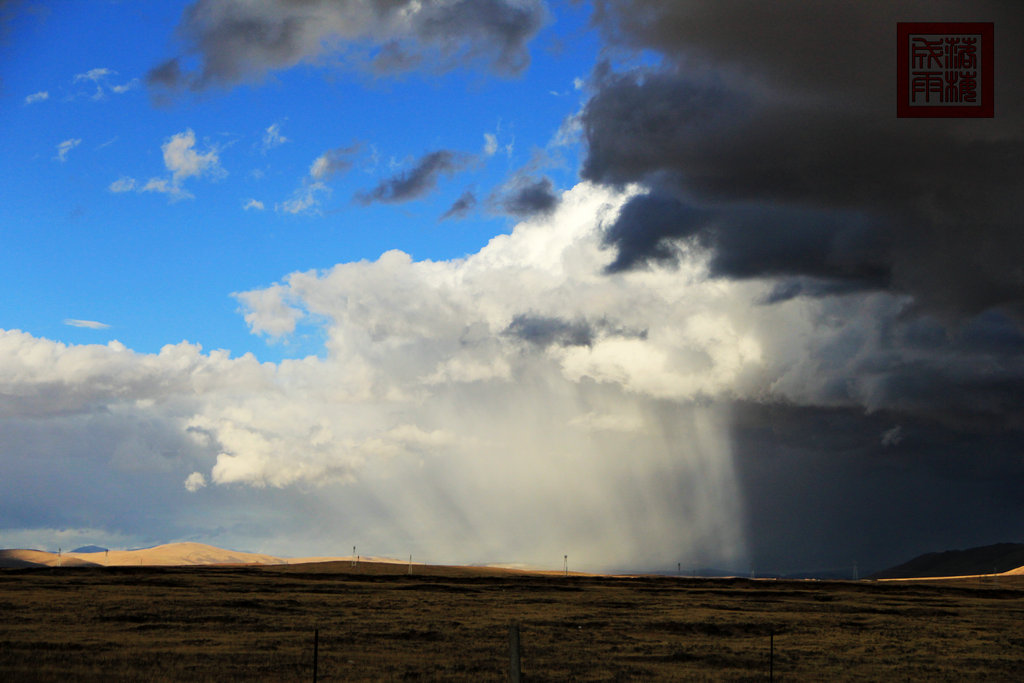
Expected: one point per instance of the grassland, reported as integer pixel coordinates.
(376, 622)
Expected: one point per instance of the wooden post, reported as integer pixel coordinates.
(514, 663)
(316, 652)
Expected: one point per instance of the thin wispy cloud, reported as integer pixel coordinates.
(272, 138)
(122, 184)
(64, 148)
(89, 324)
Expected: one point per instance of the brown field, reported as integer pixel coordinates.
(376, 622)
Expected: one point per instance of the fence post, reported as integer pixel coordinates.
(316, 652)
(514, 668)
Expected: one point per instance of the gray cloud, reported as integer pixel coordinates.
(525, 197)
(238, 41)
(333, 162)
(417, 181)
(461, 206)
(543, 331)
(783, 123)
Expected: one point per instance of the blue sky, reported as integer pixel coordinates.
(158, 268)
(639, 282)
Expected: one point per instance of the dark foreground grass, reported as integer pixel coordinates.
(205, 624)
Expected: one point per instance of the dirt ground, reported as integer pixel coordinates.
(379, 622)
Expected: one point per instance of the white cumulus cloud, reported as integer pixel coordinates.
(184, 161)
(195, 481)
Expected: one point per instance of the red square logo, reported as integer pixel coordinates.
(945, 70)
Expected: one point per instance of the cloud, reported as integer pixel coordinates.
(893, 436)
(122, 184)
(236, 41)
(100, 77)
(436, 413)
(598, 422)
(167, 75)
(64, 148)
(524, 196)
(731, 126)
(490, 144)
(417, 181)
(462, 206)
(165, 186)
(305, 199)
(194, 482)
(544, 331)
(272, 138)
(40, 96)
(457, 407)
(91, 324)
(253, 204)
(94, 75)
(183, 160)
(125, 87)
(333, 162)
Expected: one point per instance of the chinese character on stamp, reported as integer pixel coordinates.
(945, 69)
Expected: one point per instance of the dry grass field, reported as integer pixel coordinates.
(376, 622)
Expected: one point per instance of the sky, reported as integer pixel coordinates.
(651, 285)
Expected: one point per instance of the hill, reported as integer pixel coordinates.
(168, 555)
(989, 559)
(171, 554)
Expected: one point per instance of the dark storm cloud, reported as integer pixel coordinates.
(415, 182)
(649, 229)
(526, 197)
(462, 206)
(237, 41)
(749, 241)
(822, 491)
(792, 109)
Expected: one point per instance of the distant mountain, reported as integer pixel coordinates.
(89, 549)
(998, 558)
